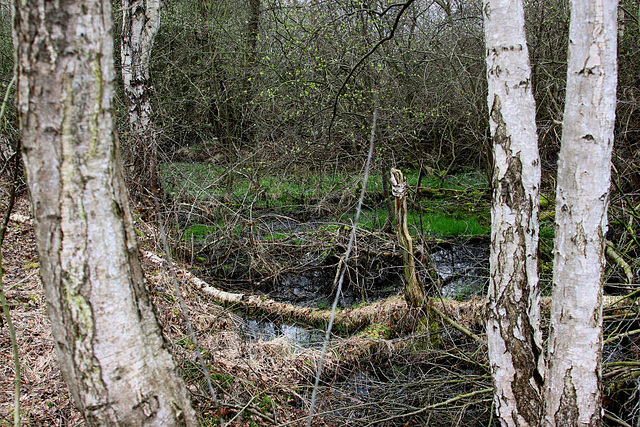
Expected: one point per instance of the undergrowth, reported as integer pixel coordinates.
(247, 192)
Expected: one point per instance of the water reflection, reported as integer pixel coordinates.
(463, 269)
(259, 330)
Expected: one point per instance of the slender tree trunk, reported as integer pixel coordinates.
(140, 24)
(253, 26)
(110, 349)
(513, 334)
(572, 393)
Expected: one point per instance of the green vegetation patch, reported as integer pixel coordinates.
(442, 225)
(259, 186)
(455, 208)
(198, 232)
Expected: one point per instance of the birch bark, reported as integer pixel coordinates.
(140, 24)
(513, 334)
(572, 392)
(110, 349)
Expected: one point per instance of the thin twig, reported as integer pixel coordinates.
(247, 408)
(14, 346)
(434, 406)
(458, 326)
(23, 280)
(183, 307)
(615, 257)
(6, 96)
(3, 298)
(616, 420)
(396, 21)
(352, 239)
(630, 295)
(625, 334)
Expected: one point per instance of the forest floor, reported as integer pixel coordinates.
(380, 376)
(365, 378)
(44, 398)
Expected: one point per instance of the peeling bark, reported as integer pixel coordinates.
(513, 333)
(110, 349)
(572, 392)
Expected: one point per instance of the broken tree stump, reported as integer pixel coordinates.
(414, 290)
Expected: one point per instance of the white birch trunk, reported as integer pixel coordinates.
(110, 349)
(513, 333)
(140, 25)
(572, 392)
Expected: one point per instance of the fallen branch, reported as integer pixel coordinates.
(616, 258)
(458, 326)
(390, 311)
(622, 335)
(615, 419)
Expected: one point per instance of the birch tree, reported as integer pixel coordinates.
(140, 24)
(572, 392)
(110, 349)
(513, 334)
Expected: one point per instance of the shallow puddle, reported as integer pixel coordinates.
(258, 330)
(463, 268)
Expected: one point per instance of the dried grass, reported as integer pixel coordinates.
(44, 397)
(366, 378)
(260, 382)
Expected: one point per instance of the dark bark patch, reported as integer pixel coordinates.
(567, 413)
(510, 187)
(524, 350)
(580, 239)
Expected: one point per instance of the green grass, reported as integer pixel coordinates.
(439, 224)
(276, 236)
(456, 213)
(202, 181)
(198, 232)
(323, 304)
(192, 180)
(206, 181)
(547, 234)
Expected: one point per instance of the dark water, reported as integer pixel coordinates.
(309, 277)
(462, 268)
(258, 330)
